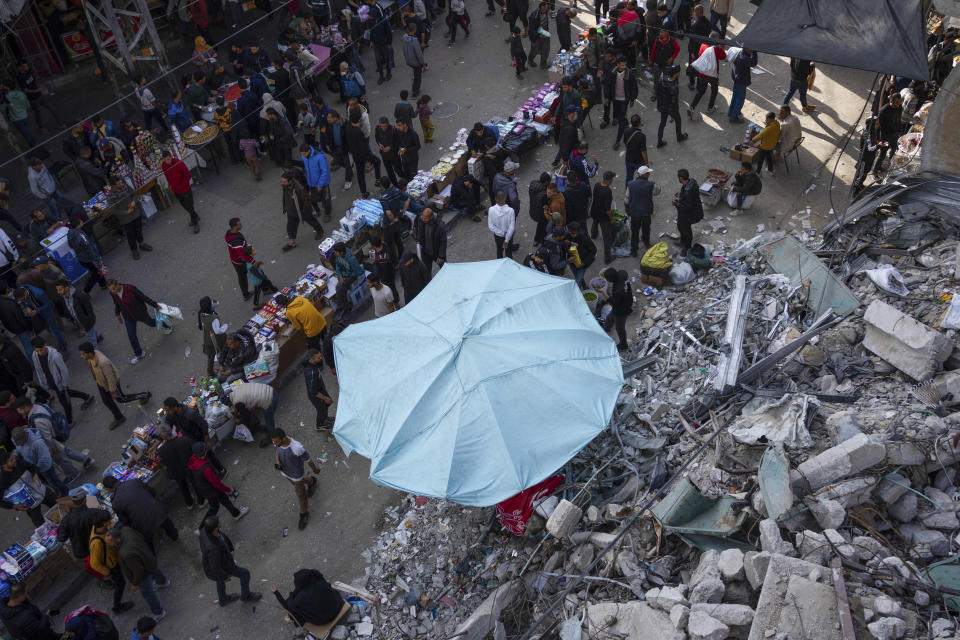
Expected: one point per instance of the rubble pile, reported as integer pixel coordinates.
(782, 464)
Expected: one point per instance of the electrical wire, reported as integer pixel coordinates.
(388, 14)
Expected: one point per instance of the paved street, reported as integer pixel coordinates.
(348, 508)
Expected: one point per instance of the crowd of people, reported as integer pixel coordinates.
(308, 140)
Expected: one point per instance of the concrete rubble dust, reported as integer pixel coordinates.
(798, 482)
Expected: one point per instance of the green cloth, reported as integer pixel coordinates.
(19, 103)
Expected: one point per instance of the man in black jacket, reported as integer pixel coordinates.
(15, 369)
(359, 148)
(567, 136)
(668, 104)
(408, 148)
(23, 619)
(586, 251)
(601, 206)
(620, 88)
(465, 195)
(800, 70)
(12, 468)
(219, 565)
(700, 27)
(386, 137)
(136, 506)
(191, 424)
(78, 306)
(75, 526)
(241, 350)
(130, 306)
(14, 319)
(317, 392)
(621, 301)
(887, 125)
(174, 454)
(432, 241)
(537, 197)
(746, 182)
(689, 208)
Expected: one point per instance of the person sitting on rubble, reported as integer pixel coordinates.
(746, 183)
(312, 600)
(241, 350)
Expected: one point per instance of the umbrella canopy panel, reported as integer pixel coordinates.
(485, 384)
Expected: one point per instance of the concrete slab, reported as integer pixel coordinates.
(791, 603)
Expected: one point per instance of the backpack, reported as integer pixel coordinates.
(630, 30)
(61, 428)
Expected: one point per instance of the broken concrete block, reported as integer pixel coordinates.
(944, 502)
(339, 632)
(921, 598)
(856, 454)
(927, 543)
(893, 563)
(868, 547)
(813, 547)
(904, 454)
(593, 514)
(887, 628)
(770, 539)
(732, 615)
(708, 590)
(545, 507)
(483, 618)
(601, 540)
(887, 606)
(633, 620)
(946, 520)
(942, 627)
(755, 567)
(564, 519)
(829, 514)
(842, 425)
(679, 615)
(904, 509)
(842, 544)
(628, 567)
(849, 493)
(708, 567)
(892, 487)
(701, 626)
(792, 605)
(666, 598)
(910, 346)
(731, 564)
(364, 629)
(582, 556)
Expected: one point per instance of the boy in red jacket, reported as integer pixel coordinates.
(209, 486)
(178, 176)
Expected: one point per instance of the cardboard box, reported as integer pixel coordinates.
(65, 505)
(749, 154)
(653, 281)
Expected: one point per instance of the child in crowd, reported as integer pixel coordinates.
(258, 279)
(251, 152)
(306, 123)
(517, 55)
(424, 112)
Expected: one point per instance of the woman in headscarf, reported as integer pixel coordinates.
(312, 600)
(204, 56)
(214, 333)
(620, 298)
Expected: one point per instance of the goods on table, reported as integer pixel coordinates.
(200, 132)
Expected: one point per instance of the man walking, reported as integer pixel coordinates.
(689, 208)
(639, 204)
(538, 29)
(219, 565)
(296, 206)
(28, 83)
(178, 176)
(413, 54)
(887, 125)
(108, 383)
(709, 79)
(720, 11)
(209, 486)
(431, 241)
(80, 309)
(800, 71)
(174, 454)
(138, 563)
(668, 104)
(104, 562)
(54, 377)
(501, 220)
(40, 417)
(289, 461)
(317, 171)
(742, 77)
(601, 211)
(235, 246)
(128, 213)
(316, 389)
(130, 306)
(620, 87)
(136, 506)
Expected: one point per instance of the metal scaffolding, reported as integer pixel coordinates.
(130, 26)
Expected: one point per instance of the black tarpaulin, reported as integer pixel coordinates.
(885, 36)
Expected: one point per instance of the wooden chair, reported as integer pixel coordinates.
(794, 149)
(321, 631)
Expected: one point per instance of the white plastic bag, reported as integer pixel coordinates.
(733, 53)
(887, 278)
(707, 63)
(681, 273)
(242, 433)
(170, 310)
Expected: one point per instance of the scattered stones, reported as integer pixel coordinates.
(730, 564)
(702, 626)
(887, 628)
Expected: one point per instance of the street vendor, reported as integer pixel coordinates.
(302, 314)
(240, 351)
(189, 422)
(128, 213)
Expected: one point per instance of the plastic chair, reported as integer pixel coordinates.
(794, 149)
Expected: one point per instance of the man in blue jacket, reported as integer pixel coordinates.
(740, 72)
(248, 107)
(381, 35)
(318, 177)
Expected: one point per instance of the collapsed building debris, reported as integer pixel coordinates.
(773, 469)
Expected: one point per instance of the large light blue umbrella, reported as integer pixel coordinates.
(486, 384)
